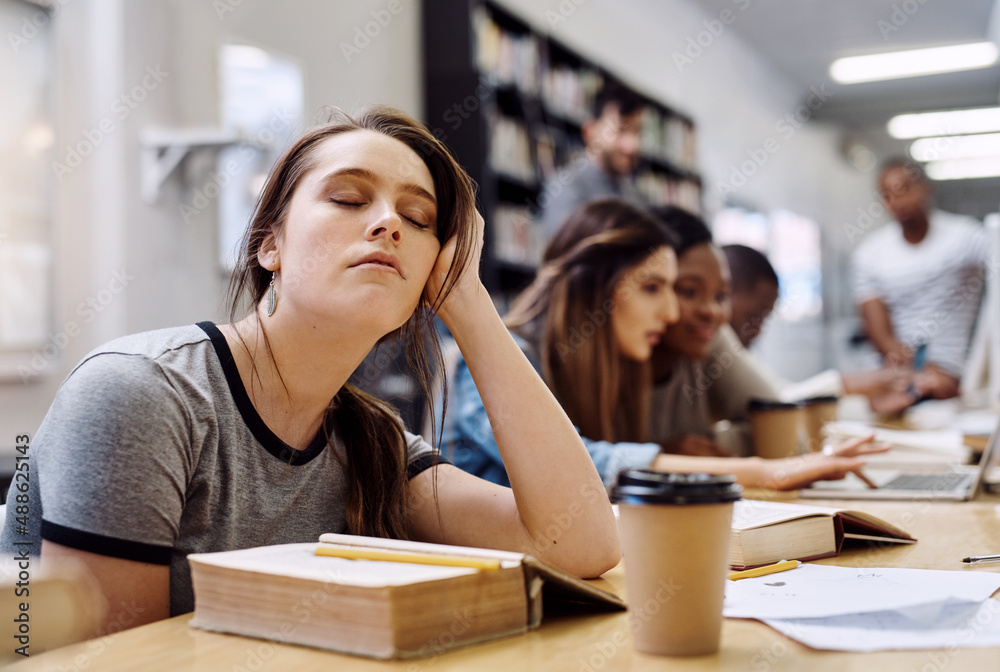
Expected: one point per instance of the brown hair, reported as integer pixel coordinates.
(567, 312)
(374, 456)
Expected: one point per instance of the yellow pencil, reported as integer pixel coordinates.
(782, 566)
(487, 564)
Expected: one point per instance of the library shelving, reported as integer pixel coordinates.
(510, 101)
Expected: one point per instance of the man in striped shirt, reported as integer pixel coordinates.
(919, 282)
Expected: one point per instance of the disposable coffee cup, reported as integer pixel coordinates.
(776, 427)
(675, 531)
(818, 412)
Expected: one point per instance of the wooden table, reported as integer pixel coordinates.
(946, 532)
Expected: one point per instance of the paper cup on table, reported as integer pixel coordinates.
(675, 532)
(776, 428)
(818, 411)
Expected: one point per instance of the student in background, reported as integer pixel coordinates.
(208, 438)
(754, 294)
(701, 372)
(611, 137)
(602, 301)
(919, 281)
(754, 291)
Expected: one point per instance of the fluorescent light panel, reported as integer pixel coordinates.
(913, 63)
(963, 169)
(952, 122)
(956, 147)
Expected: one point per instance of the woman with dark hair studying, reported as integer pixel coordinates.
(207, 438)
(590, 322)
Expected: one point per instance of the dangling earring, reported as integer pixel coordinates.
(272, 297)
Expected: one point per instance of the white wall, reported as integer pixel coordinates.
(165, 267)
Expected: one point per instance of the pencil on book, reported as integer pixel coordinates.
(487, 564)
(782, 566)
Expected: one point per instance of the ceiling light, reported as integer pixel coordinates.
(913, 63)
(953, 122)
(956, 147)
(963, 169)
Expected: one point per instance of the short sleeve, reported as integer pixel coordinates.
(864, 280)
(737, 377)
(420, 455)
(114, 459)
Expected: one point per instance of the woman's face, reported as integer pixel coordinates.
(644, 304)
(360, 235)
(703, 290)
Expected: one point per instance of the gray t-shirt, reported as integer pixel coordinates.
(152, 450)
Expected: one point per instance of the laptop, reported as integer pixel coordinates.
(953, 483)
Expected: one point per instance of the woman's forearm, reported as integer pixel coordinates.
(555, 483)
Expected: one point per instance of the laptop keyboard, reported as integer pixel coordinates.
(939, 482)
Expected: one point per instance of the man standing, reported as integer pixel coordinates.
(611, 137)
(919, 282)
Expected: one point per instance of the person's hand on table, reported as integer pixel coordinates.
(832, 464)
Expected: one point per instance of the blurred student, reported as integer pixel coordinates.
(217, 437)
(754, 295)
(754, 291)
(602, 301)
(611, 139)
(918, 282)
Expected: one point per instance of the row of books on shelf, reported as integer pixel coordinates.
(511, 58)
(668, 138)
(533, 157)
(516, 238)
(521, 60)
(659, 189)
(510, 148)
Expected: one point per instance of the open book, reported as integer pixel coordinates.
(766, 532)
(381, 609)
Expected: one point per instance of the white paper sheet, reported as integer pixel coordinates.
(819, 591)
(945, 625)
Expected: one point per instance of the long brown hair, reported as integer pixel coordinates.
(374, 456)
(567, 313)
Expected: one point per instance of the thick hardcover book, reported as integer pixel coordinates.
(766, 532)
(381, 609)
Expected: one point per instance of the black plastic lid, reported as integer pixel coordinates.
(771, 405)
(644, 486)
(811, 401)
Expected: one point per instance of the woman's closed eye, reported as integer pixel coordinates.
(349, 201)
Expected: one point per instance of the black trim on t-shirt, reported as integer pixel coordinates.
(110, 546)
(261, 431)
(423, 463)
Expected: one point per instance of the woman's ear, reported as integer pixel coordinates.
(268, 255)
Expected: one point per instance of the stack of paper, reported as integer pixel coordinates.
(872, 609)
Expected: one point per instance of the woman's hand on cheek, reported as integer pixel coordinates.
(467, 284)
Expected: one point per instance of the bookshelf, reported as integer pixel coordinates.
(510, 101)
